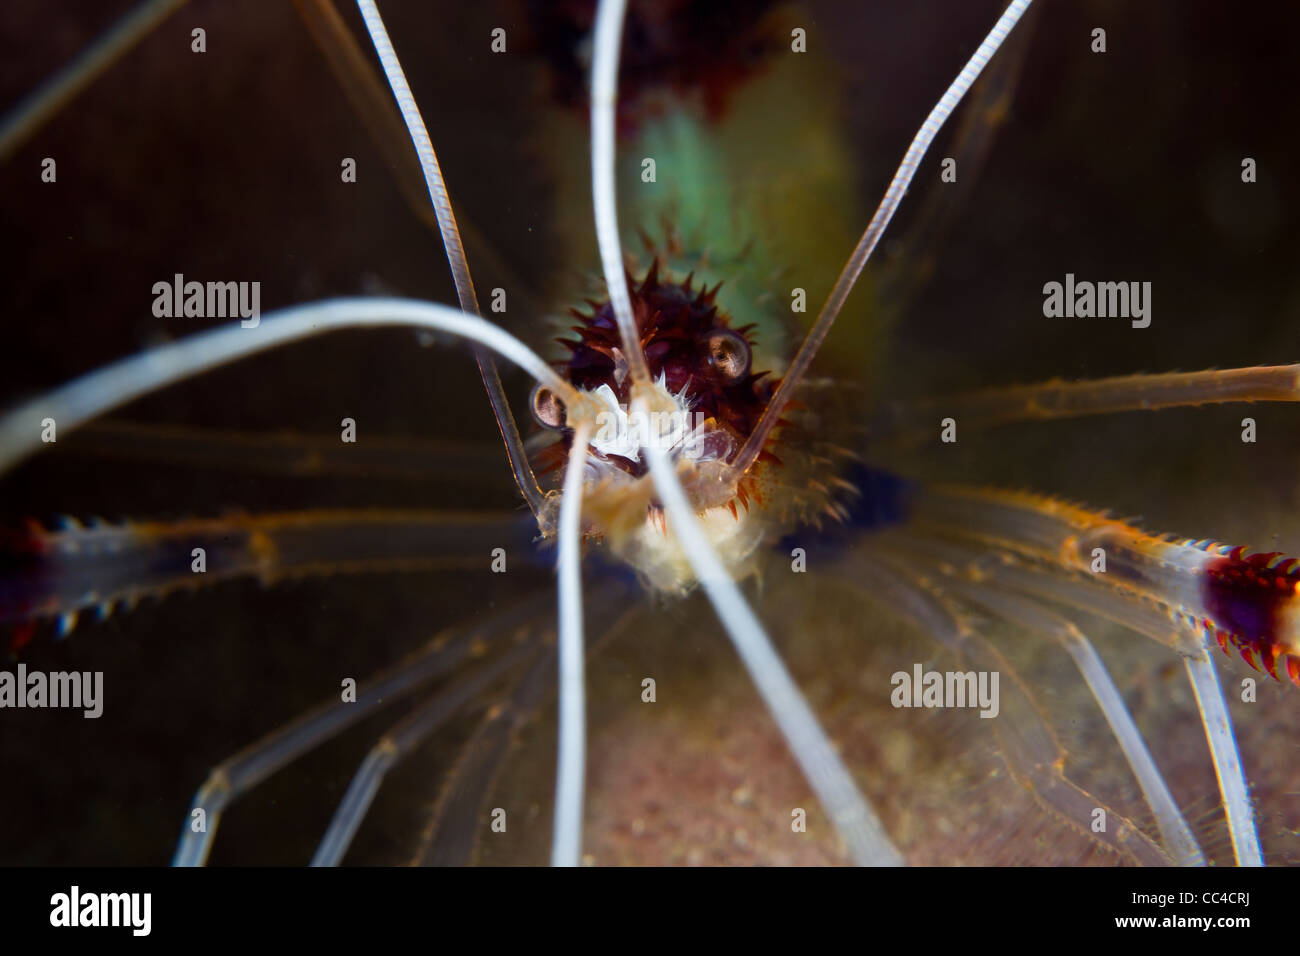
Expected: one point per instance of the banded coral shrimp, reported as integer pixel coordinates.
(718, 833)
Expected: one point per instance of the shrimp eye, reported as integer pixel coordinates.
(547, 408)
(728, 355)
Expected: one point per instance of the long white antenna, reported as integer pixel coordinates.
(455, 249)
(875, 229)
(604, 99)
(118, 383)
(849, 811)
(570, 772)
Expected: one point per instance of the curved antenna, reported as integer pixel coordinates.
(570, 770)
(437, 186)
(371, 98)
(604, 98)
(39, 108)
(852, 816)
(571, 760)
(875, 229)
(119, 382)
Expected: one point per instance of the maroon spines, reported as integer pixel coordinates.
(675, 321)
(1251, 603)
